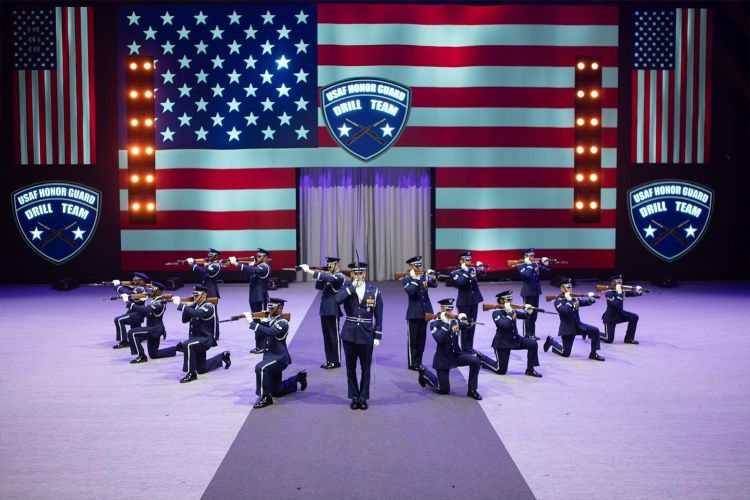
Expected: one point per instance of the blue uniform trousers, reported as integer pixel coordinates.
(467, 334)
(331, 338)
(441, 382)
(363, 353)
(609, 327)
(415, 341)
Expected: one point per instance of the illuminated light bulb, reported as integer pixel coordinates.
(136, 206)
(594, 122)
(148, 65)
(133, 178)
(579, 149)
(579, 177)
(149, 178)
(580, 121)
(594, 65)
(149, 122)
(148, 93)
(149, 150)
(594, 177)
(150, 207)
(133, 65)
(133, 94)
(581, 65)
(594, 150)
(594, 94)
(135, 150)
(593, 205)
(579, 205)
(580, 93)
(133, 122)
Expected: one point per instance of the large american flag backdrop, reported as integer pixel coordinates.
(493, 96)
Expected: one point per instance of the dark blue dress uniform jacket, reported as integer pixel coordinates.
(530, 279)
(153, 312)
(204, 325)
(570, 320)
(369, 311)
(419, 298)
(275, 332)
(468, 288)
(447, 343)
(330, 284)
(506, 334)
(210, 275)
(615, 302)
(258, 277)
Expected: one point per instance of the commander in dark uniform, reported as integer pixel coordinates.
(330, 282)
(570, 323)
(209, 272)
(154, 329)
(615, 313)
(507, 338)
(448, 353)
(531, 288)
(258, 274)
(202, 336)
(469, 296)
(131, 318)
(415, 285)
(361, 332)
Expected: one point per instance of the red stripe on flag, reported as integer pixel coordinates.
(514, 218)
(577, 259)
(501, 97)
(707, 98)
(204, 178)
(91, 80)
(647, 117)
(683, 84)
(29, 119)
(66, 83)
(465, 15)
(155, 261)
(16, 118)
(697, 98)
(658, 116)
(218, 221)
(670, 118)
(79, 83)
(42, 119)
(490, 177)
(634, 116)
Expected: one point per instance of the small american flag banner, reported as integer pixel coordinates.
(671, 82)
(53, 86)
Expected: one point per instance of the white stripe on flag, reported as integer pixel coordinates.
(60, 97)
(514, 198)
(226, 200)
(689, 86)
(664, 115)
(702, 88)
(23, 132)
(48, 118)
(677, 80)
(34, 75)
(641, 75)
(191, 239)
(73, 86)
(515, 238)
(85, 85)
(652, 116)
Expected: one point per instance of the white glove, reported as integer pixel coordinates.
(176, 300)
(480, 263)
(116, 282)
(545, 261)
(591, 295)
(430, 271)
(618, 288)
(233, 260)
(464, 266)
(124, 297)
(568, 296)
(248, 316)
(528, 307)
(527, 260)
(444, 317)
(376, 342)
(507, 307)
(190, 260)
(462, 316)
(413, 274)
(305, 268)
(639, 289)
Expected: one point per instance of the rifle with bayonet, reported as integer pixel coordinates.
(517, 307)
(260, 315)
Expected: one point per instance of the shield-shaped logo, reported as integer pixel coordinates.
(57, 219)
(365, 115)
(670, 217)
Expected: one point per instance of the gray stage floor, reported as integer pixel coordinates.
(668, 418)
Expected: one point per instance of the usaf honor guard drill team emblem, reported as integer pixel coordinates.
(670, 217)
(57, 219)
(365, 115)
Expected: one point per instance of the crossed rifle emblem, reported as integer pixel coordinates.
(57, 233)
(364, 130)
(670, 231)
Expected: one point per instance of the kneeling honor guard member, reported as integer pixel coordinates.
(448, 353)
(202, 335)
(416, 284)
(362, 331)
(616, 314)
(330, 281)
(154, 329)
(507, 337)
(132, 318)
(567, 306)
(274, 328)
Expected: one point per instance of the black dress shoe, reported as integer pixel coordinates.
(547, 343)
(257, 350)
(363, 404)
(355, 404)
(139, 359)
(121, 345)
(533, 373)
(324, 365)
(413, 368)
(532, 337)
(226, 358)
(263, 401)
(421, 378)
(180, 347)
(474, 395)
(595, 357)
(189, 377)
(632, 341)
(302, 379)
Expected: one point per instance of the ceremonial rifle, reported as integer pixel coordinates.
(286, 316)
(627, 288)
(574, 295)
(431, 316)
(518, 262)
(517, 307)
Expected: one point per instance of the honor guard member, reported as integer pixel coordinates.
(330, 282)
(210, 272)
(570, 323)
(154, 329)
(507, 338)
(258, 274)
(202, 335)
(448, 353)
(469, 296)
(531, 289)
(362, 331)
(130, 318)
(268, 371)
(416, 284)
(616, 314)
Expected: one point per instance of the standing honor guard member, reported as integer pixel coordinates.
(616, 314)
(202, 336)
(131, 318)
(567, 308)
(469, 296)
(258, 273)
(154, 329)
(362, 331)
(415, 285)
(268, 383)
(210, 272)
(507, 338)
(448, 353)
(531, 289)
(330, 311)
